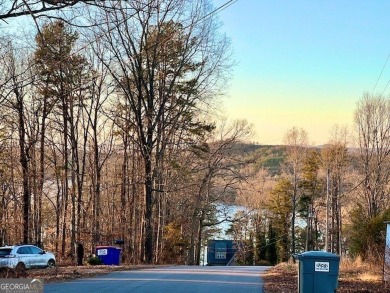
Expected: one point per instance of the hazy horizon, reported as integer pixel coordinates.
(304, 63)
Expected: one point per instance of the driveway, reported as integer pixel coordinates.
(176, 279)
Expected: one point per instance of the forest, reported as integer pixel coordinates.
(110, 130)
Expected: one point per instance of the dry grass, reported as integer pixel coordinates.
(355, 276)
(363, 271)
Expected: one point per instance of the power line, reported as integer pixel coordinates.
(123, 21)
(219, 9)
(386, 87)
(128, 17)
(380, 75)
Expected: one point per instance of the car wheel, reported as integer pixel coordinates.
(20, 268)
(51, 263)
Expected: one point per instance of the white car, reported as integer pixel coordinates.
(25, 257)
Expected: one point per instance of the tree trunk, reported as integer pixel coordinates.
(74, 164)
(41, 168)
(25, 169)
(293, 212)
(199, 241)
(327, 211)
(65, 190)
(148, 210)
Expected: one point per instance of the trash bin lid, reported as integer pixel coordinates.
(107, 247)
(317, 255)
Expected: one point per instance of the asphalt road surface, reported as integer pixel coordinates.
(177, 279)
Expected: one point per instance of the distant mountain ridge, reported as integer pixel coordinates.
(270, 157)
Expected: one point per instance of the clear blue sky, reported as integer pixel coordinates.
(304, 63)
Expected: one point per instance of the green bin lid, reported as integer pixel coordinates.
(318, 254)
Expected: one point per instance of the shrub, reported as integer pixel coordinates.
(366, 236)
(94, 260)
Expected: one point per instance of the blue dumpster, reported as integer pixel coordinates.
(109, 255)
(318, 272)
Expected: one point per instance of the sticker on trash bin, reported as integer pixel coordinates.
(102, 252)
(321, 266)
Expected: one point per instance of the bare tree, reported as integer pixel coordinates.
(334, 158)
(18, 81)
(166, 60)
(100, 133)
(296, 141)
(36, 8)
(215, 171)
(372, 120)
(309, 201)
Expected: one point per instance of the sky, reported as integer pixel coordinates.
(304, 63)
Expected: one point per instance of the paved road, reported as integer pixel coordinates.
(178, 279)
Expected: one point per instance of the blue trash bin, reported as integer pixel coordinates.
(109, 255)
(318, 272)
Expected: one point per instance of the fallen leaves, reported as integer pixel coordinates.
(283, 278)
